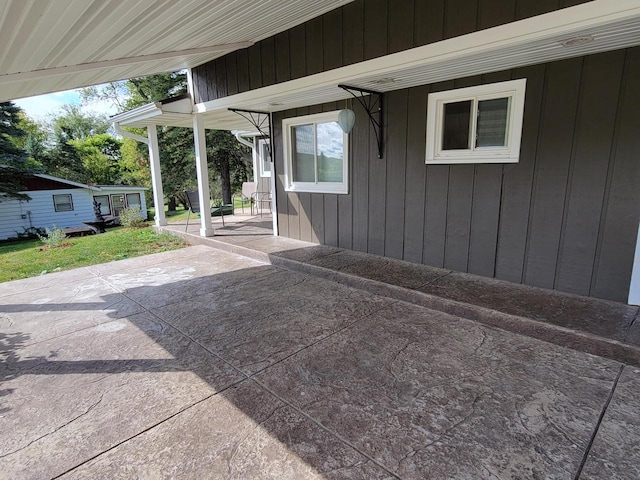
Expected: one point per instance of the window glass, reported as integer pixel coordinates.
(62, 203)
(302, 150)
(455, 131)
(265, 159)
(133, 200)
(103, 200)
(491, 130)
(117, 200)
(330, 151)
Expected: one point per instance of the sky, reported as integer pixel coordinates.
(43, 107)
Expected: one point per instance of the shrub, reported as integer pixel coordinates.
(132, 217)
(53, 238)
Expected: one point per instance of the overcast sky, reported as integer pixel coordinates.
(43, 107)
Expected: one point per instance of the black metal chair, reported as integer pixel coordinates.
(193, 201)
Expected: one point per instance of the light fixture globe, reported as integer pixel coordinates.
(346, 120)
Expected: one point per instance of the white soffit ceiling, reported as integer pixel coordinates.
(53, 45)
(612, 24)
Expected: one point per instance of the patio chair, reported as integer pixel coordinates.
(249, 191)
(193, 202)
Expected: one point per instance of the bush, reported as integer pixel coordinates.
(132, 217)
(53, 238)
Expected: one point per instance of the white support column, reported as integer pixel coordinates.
(156, 177)
(634, 288)
(202, 171)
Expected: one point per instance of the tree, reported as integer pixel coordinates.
(100, 156)
(13, 170)
(78, 125)
(63, 160)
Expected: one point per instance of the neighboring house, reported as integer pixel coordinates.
(63, 203)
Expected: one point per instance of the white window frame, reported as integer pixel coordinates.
(263, 157)
(510, 153)
(313, 187)
(56, 203)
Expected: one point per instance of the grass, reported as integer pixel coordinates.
(27, 258)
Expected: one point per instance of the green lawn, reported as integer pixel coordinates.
(27, 258)
(180, 214)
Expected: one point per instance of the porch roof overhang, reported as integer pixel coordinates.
(593, 27)
(176, 112)
(53, 45)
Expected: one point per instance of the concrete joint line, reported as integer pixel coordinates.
(585, 457)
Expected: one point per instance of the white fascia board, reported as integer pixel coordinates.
(137, 114)
(561, 23)
(118, 187)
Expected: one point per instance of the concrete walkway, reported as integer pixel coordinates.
(201, 363)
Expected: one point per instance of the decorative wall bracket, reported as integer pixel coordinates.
(374, 107)
(262, 121)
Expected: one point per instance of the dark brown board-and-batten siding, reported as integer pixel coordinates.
(564, 217)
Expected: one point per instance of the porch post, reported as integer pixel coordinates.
(202, 171)
(156, 176)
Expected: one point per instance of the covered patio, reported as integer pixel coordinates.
(202, 363)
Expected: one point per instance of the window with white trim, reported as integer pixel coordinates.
(264, 159)
(480, 124)
(316, 154)
(63, 203)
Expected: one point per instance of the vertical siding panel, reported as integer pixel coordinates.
(297, 55)
(616, 245)
(460, 17)
(345, 210)
(599, 92)
(562, 84)
(221, 77)
(495, 12)
(360, 181)
(484, 219)
(435, 215)
(517, 183)
(396, 159)
(267, 52)
(317, 218)
(531, 8)
(232, 73)
(282, 200)
(429, 21)
(212, 94)
(313, 41)
(375, 28)
(415, 174)
(400, 25)
(255, 66)
(456, 255)
(353, 32)
(435, 210)
(377, 193)
(283, 70)
(331, 220)
(242, 63)
(332, 39)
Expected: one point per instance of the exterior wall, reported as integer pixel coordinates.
(43, 213)
(565, 217)
(358, 31)
(122, 191)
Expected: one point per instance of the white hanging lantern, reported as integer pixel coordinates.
(346, 119)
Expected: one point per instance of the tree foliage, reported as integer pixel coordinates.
(13, 159)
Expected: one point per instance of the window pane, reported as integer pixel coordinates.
(491, 130)
(455, 131)
(330, 152)
(133, 200)
(62, 203)
(103, 200)
(302, 149)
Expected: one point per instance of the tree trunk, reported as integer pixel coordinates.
(225, 180)
(172, 204)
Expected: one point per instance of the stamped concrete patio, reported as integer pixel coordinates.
(201, 363)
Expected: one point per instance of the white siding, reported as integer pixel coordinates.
(124, 191)
(43, 213)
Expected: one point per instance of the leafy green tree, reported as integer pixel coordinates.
(13, 170)
(100, 156)
(63, 160)
(77, 125)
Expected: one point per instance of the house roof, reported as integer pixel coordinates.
(593, 27)
(53, 45)
(97, 188)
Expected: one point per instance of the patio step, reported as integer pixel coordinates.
(596, 326)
